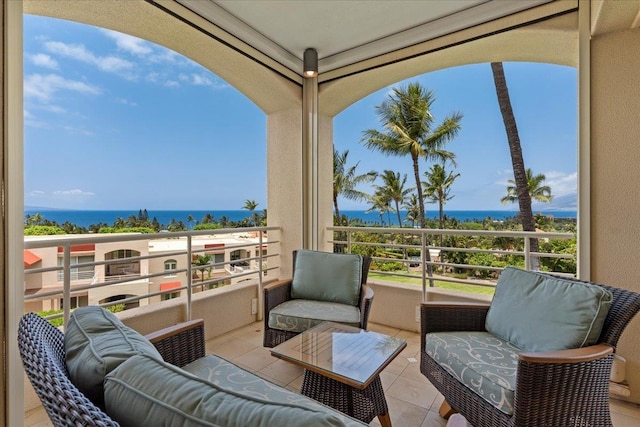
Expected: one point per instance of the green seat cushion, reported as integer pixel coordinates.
(145, 391)
(537, 312)
(324, 276)
(95, 343)
(298, 315)
(482, 362)
(230, 377)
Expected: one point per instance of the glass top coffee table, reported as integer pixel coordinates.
(342, 367)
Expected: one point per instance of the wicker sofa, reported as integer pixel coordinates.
(531, 358)
(163, 379)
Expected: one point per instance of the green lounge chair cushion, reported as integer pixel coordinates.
(536, 312)
(324, 276)
(145, 391)
(482, 362)
(298, 315)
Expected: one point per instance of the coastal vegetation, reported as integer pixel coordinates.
(37, 224)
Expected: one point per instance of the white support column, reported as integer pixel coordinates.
(584, 141)
(13, 206)
(310, 155)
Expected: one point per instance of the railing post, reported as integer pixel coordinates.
(527, 253)
(260, 273)
(349, 241)
(66, 284)
(189, 277)
(423, 251)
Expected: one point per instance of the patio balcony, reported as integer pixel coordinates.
(233, 295)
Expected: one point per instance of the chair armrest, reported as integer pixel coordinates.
(180, 344)
(577, 355)
(276, 293)
(451, 316)
(570, 381)
(366, 299)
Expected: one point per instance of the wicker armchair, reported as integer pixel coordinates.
(41, 347)
(280, 291)
(558, 388)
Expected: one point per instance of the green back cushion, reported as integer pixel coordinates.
(144, 391)
(536, 312)
(95, 343)
(324, 276)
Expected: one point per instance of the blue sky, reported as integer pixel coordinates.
(115, 122)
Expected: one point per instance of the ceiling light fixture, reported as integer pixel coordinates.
(310, 63)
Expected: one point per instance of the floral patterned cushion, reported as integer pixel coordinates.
(485, 364)
(238, 381)
(298, 315)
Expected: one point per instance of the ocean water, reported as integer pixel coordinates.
(88, 217)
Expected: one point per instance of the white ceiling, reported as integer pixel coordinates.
(346, 31)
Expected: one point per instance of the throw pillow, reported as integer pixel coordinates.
(95, 343)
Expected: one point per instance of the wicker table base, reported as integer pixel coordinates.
(363, 405)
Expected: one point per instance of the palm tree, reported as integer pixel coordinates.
(380, 202)
(537, 191)
(394, 190)
(519, 172)
(413, 210)
(251, 205)
(437, 188)
(190, 219)
(409, 130)
(345, 180)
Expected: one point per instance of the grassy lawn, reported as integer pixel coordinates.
(474, 289)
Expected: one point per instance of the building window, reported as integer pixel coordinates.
(170, 295)
(170, 266)
(78, 273)
(218, 260)
(122, 268)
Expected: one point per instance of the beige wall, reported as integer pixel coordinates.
(615, 176)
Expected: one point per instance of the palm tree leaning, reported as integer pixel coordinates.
(409, 130)
(345, 180)
(537, 191)
(520, 177)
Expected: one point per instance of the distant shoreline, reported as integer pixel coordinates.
(85, 218)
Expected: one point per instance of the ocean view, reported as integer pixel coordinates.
(88, 217)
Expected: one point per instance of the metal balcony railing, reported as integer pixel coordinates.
(68, 272)
(436, 262)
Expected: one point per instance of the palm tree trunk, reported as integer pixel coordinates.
(416, 174)
(519, 170)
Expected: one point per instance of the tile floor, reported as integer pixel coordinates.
(412, 400)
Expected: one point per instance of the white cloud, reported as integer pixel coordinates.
(52, 108)
(152, 77)
(73, 129)
(43, 87)
(562, 183)
(43, 60)
(36, 193)
(128, 43)
(111, 64)
(202, 80)
(171, 83)
(76, 193)
(125, 101)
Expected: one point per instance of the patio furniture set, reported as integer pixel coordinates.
(539, 354)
